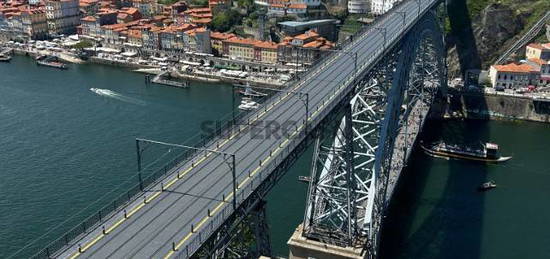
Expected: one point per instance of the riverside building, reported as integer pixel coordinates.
(19, 21)
(358, 6)
(379, 7)
(63, 16)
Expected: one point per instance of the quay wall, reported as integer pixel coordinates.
(101, 61)
(491, 106)
(193, 77)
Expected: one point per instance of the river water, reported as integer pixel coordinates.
(64, 148)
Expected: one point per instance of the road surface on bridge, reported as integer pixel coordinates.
(151, 229)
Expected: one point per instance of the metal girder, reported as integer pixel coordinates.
(347, 198)
(217, 244)
(348, 192)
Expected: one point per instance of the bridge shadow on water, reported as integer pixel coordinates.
(437, 211)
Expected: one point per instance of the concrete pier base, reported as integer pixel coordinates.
(303, 248)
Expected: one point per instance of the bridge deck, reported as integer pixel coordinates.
(149, 230)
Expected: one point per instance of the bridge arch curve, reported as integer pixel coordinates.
(353, 180)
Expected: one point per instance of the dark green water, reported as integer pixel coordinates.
(437, 212)
(63, 147)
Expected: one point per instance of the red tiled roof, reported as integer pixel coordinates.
(193, 32)
(513, 68)
(221, 36)
(134, 33)
(202, 21)
(265, 45)
(307, 35)
(297, 6)
(88, 19)
(535, 45)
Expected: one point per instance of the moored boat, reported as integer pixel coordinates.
(487, 152)
(247, 104)
(305, 179)
(50, 61)
(5, 58)
(53, 64)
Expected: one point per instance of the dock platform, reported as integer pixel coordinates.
(158, 79)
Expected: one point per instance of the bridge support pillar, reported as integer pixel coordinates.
(303, 248)
(261, 230)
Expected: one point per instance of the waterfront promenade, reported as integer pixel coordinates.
(270, 76)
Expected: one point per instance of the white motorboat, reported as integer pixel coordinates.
(101, 91)
(247, 104)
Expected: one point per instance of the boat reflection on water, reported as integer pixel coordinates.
(487, 152)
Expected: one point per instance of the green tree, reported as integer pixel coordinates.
(248, 5)
(167, 2)
(225, 20)
(199, 2)
(83, 44)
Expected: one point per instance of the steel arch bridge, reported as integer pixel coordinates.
(384, 81)
(353, 177)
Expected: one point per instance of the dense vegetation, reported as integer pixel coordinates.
(479, 30)
(198, 2)
(167, 2)
(532, 10)
(225, 20)
(83, 44)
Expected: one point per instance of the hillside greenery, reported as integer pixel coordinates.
(533, 10)
(225, 20)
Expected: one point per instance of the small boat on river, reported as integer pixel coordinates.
(303, 178)
(5, 58)
(487, 186)
(487, 152)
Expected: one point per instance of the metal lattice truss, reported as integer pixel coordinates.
(352, 180)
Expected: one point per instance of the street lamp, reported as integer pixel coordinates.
(384, 32)
(419, 2)
(353, 55)
(404, 15)
(226, 156)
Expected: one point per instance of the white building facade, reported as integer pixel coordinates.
(289, 7)
(63, 16)
(513, 76)
(379, 7)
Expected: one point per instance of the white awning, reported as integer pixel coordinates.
(190, 63)
(129, 54)
(108, 50)
(159, 59)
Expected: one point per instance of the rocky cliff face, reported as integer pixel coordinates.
(498, 24)
(476, 40)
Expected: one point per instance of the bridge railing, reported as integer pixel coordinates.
(220, 218)
(109, 210)
(226, 128)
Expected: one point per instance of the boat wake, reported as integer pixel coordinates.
(115, 95)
